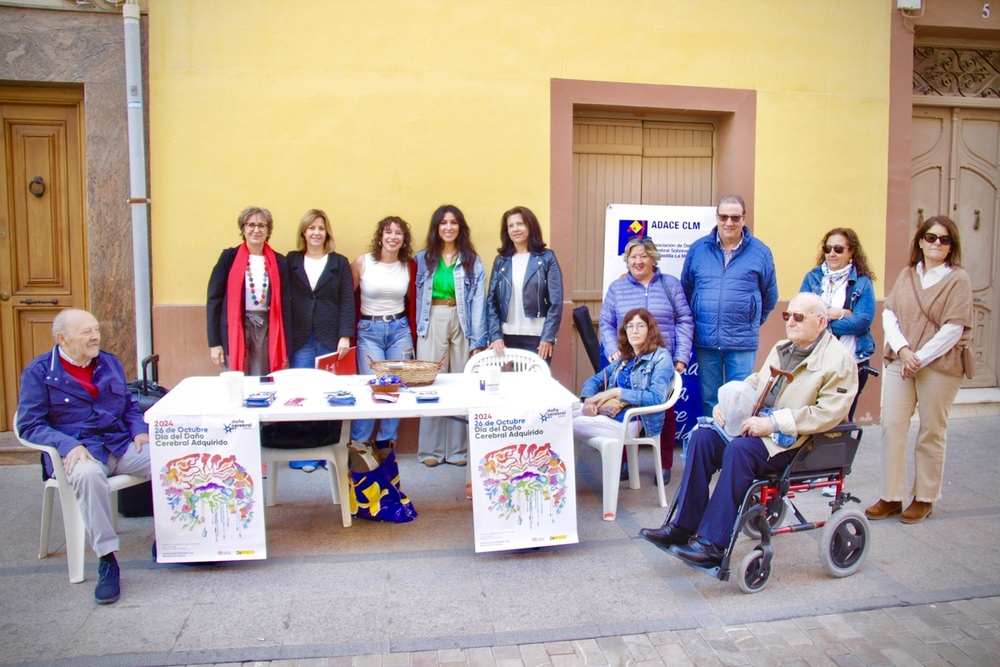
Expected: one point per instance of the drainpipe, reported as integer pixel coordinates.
(138, 199)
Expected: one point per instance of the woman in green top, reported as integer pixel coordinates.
(451, 322)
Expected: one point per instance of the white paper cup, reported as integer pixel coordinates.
(489, 380)
(232, 382)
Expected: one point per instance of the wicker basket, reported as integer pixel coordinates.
(412, 372)
(385, 388)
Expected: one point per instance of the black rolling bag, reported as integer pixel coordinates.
(138, 500)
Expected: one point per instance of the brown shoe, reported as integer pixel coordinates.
(917, 511)
(431, 463)
(884, 509)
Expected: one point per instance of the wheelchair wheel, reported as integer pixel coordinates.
(844, 542)
(754, 575)
(774, 518)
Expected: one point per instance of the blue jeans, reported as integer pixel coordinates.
(305, 356)
(380, 341)
(716, 368)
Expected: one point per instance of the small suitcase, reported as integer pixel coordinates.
(136, 501)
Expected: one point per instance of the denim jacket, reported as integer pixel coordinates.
(651, 377)
(861, 303)
(470, 298)
(542, 290)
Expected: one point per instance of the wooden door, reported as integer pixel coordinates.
(955, 171)
(628, 161)
(41, 226)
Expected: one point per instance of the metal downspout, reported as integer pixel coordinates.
(138, 200)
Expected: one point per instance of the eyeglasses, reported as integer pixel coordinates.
(255, 225)
(839, 249)
(635, 326)
(724, 218)
(931, 238)
(798, 317)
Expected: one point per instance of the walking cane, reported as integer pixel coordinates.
(775, 374)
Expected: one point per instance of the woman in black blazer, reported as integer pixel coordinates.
(248, 307)
(322, 295)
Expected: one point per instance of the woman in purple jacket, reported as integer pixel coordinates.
(644, 286)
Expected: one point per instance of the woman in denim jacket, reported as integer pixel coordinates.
(640, 376)
(524, 306)
(451, 298)
(843, 279)
(645, 286)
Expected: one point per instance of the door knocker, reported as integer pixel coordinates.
(37, 186)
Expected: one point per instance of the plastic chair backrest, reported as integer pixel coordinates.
(521, 361)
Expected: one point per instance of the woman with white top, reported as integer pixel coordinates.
(927, 322)
(384, 276)
(451, 296)
(524, 306)
(322, 295)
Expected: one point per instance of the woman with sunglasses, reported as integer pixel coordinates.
(248, 310)
(927, 321)
(645, 286)
(843, 279)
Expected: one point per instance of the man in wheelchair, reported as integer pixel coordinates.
(824, 380)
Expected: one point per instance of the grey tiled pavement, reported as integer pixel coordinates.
(376, 595)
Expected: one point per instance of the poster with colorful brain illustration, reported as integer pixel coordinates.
(523, 477)
(208, 500)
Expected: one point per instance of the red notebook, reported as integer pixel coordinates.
(346, 366)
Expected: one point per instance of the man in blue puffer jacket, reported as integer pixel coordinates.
(731, 286)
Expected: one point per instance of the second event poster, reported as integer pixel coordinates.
(523, 477)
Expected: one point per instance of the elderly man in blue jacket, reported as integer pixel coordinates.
(731, 286)
(75, 399)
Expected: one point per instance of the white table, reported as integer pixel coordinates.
(459, 394)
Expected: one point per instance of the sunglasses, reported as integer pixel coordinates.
(724, 218)
(798, 317)
(931, 238)
(839, 249)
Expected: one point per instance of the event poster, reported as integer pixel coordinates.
(523, 477)
(673, 229)
(207, 490)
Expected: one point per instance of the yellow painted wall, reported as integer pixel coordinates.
(367, 109)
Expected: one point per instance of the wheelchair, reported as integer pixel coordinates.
(824, 460)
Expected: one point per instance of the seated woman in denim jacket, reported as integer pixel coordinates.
(640, 376)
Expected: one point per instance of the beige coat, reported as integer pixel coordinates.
(819, 395)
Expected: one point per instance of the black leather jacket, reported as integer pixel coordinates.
(542, 293)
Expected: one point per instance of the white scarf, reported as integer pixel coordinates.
(834, 295)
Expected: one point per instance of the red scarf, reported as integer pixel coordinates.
(235, 297)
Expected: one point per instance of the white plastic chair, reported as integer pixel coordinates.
(611, 452)
(522, 361)
(76, 531)
(335, 455)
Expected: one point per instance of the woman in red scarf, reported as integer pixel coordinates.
(247, 309)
